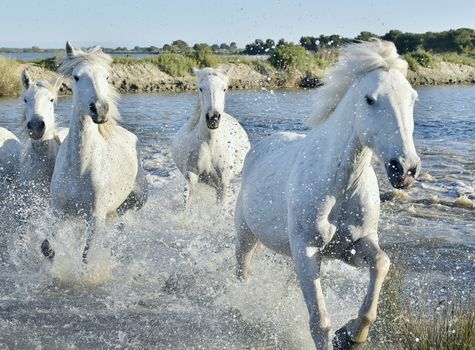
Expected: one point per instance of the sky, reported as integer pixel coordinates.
(112, 23)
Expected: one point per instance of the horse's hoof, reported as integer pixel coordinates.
(47, 250)
(342, 340)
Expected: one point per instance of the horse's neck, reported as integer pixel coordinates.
(338, 138)
(83, 133)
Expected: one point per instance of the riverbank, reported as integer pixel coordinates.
(139, 75)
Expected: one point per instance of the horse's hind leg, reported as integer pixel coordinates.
(246, 246)
(364, 252)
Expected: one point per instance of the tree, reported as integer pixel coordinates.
(233, 46)
(365, 36)
(224, 46)
(269, 45)
(180, 44)
(309, 43)
(215, 47)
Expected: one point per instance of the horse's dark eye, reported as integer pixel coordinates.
(225, 90)
(201, 89)
(25, 100)
(52, 100)
(369, 100)
(107, 78)
(76, 77)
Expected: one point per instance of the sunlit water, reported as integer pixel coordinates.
(164, 277)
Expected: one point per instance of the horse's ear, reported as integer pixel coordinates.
(26, 79)
(57, 83)
(70, 50)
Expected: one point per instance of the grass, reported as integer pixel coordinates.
(399, 326)
(173, 64)
(468, 60)
(452, 327)
(9, 77)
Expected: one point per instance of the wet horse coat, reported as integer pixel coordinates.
(317, 195)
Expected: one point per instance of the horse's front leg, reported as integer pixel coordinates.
(93, 225)
(222, 187)
(190, 187)
(365, 251)
(307, 264)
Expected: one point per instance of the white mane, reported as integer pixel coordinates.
(355, 60)
(95, 56)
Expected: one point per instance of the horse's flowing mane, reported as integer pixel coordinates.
(355, 60)
(200, 75)
(95, 56)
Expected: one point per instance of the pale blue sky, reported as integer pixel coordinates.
(49, 23)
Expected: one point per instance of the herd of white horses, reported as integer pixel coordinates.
(307, 196)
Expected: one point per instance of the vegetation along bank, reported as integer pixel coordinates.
(434, 58)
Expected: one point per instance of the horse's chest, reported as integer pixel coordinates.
(210, 159)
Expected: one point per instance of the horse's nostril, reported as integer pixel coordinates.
(28, 125)
(41, 125)
(394, 164)
(412, 172)
(92, 108)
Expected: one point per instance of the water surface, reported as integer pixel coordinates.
(164, 278)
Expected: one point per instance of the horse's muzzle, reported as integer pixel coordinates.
(212, 120)
(99, 111)
(400, 176)
(36, 128)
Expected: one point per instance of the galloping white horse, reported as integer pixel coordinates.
(210, 148)
(317, 195)
(43, 140)
(10, 153)
(97, 171)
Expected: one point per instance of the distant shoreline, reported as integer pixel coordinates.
(141, 76)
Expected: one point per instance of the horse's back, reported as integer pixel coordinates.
(235, 137)
(263, 194)
(10, 153)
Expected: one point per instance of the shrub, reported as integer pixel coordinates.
(174, 64)
(458, 59)
(47, 63)
(425, 59)
(204, 57)
(9, 77)
(289, 56)
(413, 65)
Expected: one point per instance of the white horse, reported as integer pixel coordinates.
(10, 154)
(210, 147)
(97, 171)
(317, 195)
(43, 138)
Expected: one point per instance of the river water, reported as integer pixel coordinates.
(163, 278)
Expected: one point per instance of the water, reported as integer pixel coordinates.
(30, 56)
(163, 278)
